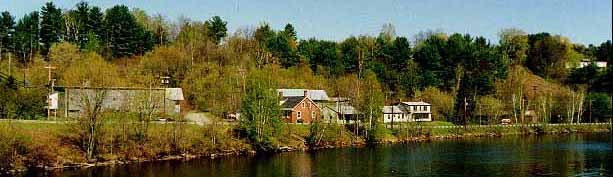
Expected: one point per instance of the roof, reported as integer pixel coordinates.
(175, 94)
(291, 102)
(392, 110)
(342, 108)
(418, 103)
(315, 95)
(339, 99)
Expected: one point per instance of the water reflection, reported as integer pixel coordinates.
(559, 155)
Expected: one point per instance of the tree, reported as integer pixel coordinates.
(171, 61)
(514, 44)
(92, 72)
(388, 32)
(490, 107)
(401, 53)
(597, 106)
(371, 104)
(7, 29)
(51, 26)
(585, 75)
(95, 23)
(63, 55)
(321, 53)
(260, 112)
(350, 52)
(26, 37)
(445, 102)
(428, 56)
(124, 36)
(548, 55)
(605, 52)
(217, 28)
(291, 32)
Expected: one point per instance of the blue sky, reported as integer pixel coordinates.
(583, 21)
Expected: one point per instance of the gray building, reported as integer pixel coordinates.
(73, 101)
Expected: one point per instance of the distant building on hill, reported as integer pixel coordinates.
(586, 62)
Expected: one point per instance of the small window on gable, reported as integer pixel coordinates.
(303, 105)
(299, 115)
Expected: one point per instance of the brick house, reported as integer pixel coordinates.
(299, 109)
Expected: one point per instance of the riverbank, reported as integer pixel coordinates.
(57, 146)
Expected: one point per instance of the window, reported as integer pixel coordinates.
(303, 105)
(313, 114)
(298, 115)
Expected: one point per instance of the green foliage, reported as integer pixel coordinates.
(217, 29)
(604, 52)
(281, 44)
(213, 89)
(124, 36)
(321, 53)
(445, 103)
(7, 28)
(20, 103)
(26, 37)
(514, 44)
(548, 55)
(370, 103)
(260, 112)
(599, 110)
(51, 26)
(585, 75)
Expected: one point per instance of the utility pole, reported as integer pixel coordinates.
(9, 64)
(465, 106)
(51, 84)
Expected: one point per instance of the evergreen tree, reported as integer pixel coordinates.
(290, 31)
(7, 29)
(51, 26)
(401, 53)
(429, 57)
(350, 52)
(217, 29)
(96, 24)
(26, 37)
(82, 19)
(124, 36)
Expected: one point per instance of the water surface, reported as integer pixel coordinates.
(551, 155)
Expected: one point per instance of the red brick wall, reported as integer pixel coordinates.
(306, 111)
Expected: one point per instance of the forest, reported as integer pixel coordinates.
(469, 79)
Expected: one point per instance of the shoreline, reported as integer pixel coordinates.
(285, 149)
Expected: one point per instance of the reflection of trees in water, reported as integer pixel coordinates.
(550, 155)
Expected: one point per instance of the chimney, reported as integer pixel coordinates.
(306, 93)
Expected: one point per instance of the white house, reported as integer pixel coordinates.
(408, 112)
(586, 62)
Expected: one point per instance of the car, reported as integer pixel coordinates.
(505, 121)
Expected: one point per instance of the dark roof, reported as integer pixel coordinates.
(291, 102)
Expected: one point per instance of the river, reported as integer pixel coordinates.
(550, 155)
